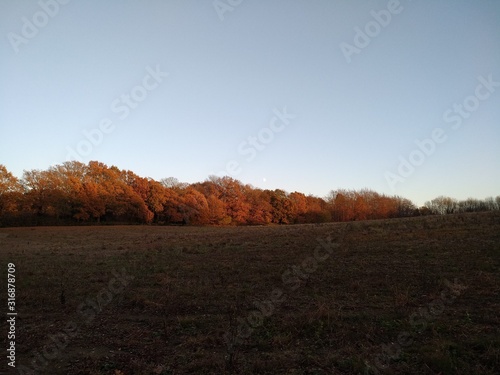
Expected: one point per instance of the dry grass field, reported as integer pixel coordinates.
(403, 296)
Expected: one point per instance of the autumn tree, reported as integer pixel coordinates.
(317, 210)
(299, 207)
(347, 205)
(156, 199)
(11, 194)
(216, 210)
(212, 189)
(341, 203)
(261, 210)
(8, 183)
(282, 206)
(38, 190)
(195, 207)
(94, 192)
(230, 192)
(120, 201)
(172, 211)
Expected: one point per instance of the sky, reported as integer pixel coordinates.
(401, 97)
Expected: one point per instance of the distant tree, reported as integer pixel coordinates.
(317, 210)
(216, 210)
(37, 191)
(156, 199)
(90, 202)
(424, 211)
(195, 205)
(173, 183)
(8, 183)
(173, 210)
(231, 192)
(468, 205)
(443, 205)
(282, 207)
(361, 209)
(491, 204)
(121, 202)
(385, 207)
(11, 194)
(94, 192)
(342, 207)
(261, 210)
(299, 207)
(405, 207)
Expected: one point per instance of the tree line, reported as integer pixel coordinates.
(446, 205)
(78, 193)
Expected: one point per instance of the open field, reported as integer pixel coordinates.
(409, 296)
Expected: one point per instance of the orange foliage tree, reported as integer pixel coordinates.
(74, 192)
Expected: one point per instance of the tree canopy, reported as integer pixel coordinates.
(77, 193)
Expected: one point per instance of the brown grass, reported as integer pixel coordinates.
(193, 285)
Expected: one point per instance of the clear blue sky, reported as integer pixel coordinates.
(230, 68)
